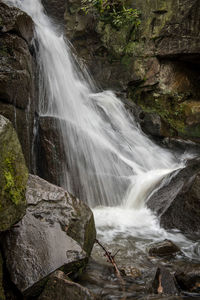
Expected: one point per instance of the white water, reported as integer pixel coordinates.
(110, 162)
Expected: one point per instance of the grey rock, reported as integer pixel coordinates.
(177, 201)
(42, 242)
(17, 74)
(164, 282)
(60, 287)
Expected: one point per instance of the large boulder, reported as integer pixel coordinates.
(17, 74)
(59, 286)
(13, 176)
(57, 232)
(177, 201)
(51, 157)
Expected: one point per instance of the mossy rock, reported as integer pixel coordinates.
(13, 176)
(2, 296)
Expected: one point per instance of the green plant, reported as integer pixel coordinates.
(112, 11)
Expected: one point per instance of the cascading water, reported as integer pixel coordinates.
(109, 161)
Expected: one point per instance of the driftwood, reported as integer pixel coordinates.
(111, 259)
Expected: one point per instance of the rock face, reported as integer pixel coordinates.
(177, 202)
(13, 176)
(57, 231)
(156, 64)
(59, 286)
(17, 99)
(51, 157)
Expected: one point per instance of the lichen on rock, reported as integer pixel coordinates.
(13, 176)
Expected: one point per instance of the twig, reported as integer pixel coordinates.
(111, 260)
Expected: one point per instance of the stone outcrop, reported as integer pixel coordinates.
(177, 202)
(17, 71)
(59, 286)
(57, 232)
(155, 64)
(13, 176)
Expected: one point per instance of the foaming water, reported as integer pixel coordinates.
(109, 160)
(133, 231)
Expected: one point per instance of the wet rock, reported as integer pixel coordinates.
(55, 9)
(153, 125)
(177, 201)
(188, 277)
(51, 154)
(2, 295)
(182, 146)
(59, 286)
(57, 231)
(17, 71)
(164, 282)
(15, 20)
(13, 176)
(162, 249)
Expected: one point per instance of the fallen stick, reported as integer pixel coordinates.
(111, 260)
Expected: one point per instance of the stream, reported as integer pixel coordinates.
(111, 164)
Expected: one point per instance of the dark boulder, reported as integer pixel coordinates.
(51, 158)
(57, 231)
(182, 146)
(59, 286)
(164, 282)
(188, 277)
(17, 74)
(177, 201)
(13, 176)
(162, 249)
(152, 124)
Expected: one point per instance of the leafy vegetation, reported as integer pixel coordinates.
(112, 11)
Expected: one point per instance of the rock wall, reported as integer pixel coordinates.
(17, 72)
(156, 66)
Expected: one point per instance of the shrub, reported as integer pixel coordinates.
(112, 11)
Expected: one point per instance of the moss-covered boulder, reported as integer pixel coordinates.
(13, 176)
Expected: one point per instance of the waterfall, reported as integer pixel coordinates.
(109, 160)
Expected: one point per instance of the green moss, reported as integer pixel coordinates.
(13, 177)
(12, 188)
(166, 105)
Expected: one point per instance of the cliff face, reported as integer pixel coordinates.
(156, 65)
(17, 87)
